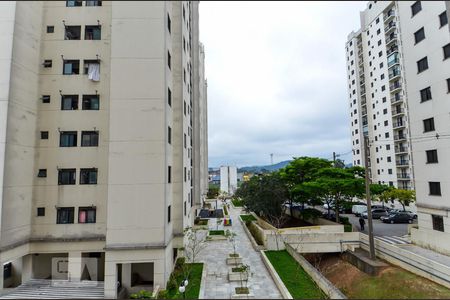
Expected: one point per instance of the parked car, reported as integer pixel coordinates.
(377, 213)
(414, 215)
(358, 209)
(398, 217)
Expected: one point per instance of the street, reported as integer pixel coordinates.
(380, 228)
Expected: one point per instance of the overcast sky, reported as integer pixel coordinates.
(276, 79)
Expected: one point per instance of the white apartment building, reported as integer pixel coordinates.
(228, 179)
(103, 138)
(398, 77)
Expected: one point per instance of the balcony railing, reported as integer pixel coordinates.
(393, 62)
(399, 124)
(389, 15)
(395, 85)
(392, 50)
(395, 99)
(399, 137)
(391, 38)
(403, 176)
(404, 162)
(401, 149)
(389, 27)
(398, 111)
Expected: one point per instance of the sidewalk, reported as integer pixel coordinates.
(430, 254)
(217, 285)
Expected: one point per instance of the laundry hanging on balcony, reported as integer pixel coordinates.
(94, 71)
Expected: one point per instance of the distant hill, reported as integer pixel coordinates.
(271, 168)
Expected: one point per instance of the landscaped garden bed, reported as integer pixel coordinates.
(237, 202)
(216, 232)
(178, 275)
(297, 281)
(247, 218)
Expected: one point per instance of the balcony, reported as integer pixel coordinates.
(364, 112)
(398, 111)
(363, 91)
(395, 99)
(403, 176)
(395, 86)
(404, 162)
(394, 74)
(393, 61)
(392, 50)
(390, 28)
(401, 150)
(389, 39)
(389, 15)
(399, 137)
(398, 125)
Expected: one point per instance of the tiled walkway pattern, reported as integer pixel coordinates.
(214, 255)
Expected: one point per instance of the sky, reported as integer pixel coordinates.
(277, 81)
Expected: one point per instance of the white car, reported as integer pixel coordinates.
(358, 209)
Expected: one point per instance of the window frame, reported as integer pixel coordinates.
(430, 124)
(71, 172)
(71, 29)
(70, 142)
(423, 61)
(85, 176)
(69, 215)
(75, 70)
(91, 34)
(74, 102)
(97, 2)
(93, 138)
(440, 19)
(75, 2)
(425, 94)
(432, 156)
(42, 173)
(434, 188)
(438, 223)
(87, 99)
(87, 210)
(417, 37)
(416, 7)
(446, 51)
(40, 211)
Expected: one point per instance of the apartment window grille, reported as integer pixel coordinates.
(168, 214)
(65, 215)
(87, 215)
(88, 176)
(438, 223)
(91, 102)
(72, 33)
(169, 97)
(169, 135)
(71, 67)
(94, 3)
(41, 211)
(446, 49)
(422, 65)
(50, 29)
(169, 174)
(44, 135)
(425, 94)
(46, 99)
(435, 188)
(93, 32)
(74, 3)
(69, 102)
(42, 173)
(428, 125)
(419, 35)
(47, 63)
(415, 8)
(432, 156)
(89, 139)
(68, 139)
(169, 60)
(169, 23)
(443, 19)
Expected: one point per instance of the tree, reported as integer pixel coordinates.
(339, 163)
(213, 192)
(404, 197)
(378, 192)
(195, 243)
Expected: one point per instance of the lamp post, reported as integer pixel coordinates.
(182, 288)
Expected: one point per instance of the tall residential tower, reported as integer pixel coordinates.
(103, 144)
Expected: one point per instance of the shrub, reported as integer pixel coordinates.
(225, 210)
(310, 213)
(163, 294)
(247, 218)
(236, 202)
(172, 283)
(216, 232)
(344, 220)
(348, 228)
(180, 262)
(142, 294)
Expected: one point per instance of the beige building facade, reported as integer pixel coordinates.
(103, 138)
(399, 83)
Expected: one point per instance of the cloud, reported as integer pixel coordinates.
(276, 79)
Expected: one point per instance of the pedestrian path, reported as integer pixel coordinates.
(214, 255)
(394, 240)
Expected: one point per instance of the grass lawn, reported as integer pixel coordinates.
(237, 202)
(216, 232)
(246, 218)
(193, 288)
(299, 284)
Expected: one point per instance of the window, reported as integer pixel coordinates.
(380, 53)
(168, 214)
(432, 157)
(89, 139)
(443, 20)
(386, 135)
(378, 19)
(448, 85)
(169, 135)
(390, 171)
(381, 65)
(50, 29)
(415, 8)
(45, 98)
(438, 223)
(73, 3)
(72, 33)
(378, 31)
(41, 211)
(389, 159)
(425, 94)
(435, 188)
(169, 174)
(88, 176)
(422, 65)
(386, 123)
(169, 23)
(68, 139)
(379, 42)
(90, 64)
(388, 147)
(94, 3)
(385, 111)
(64, 215)
(383, 88)
(169, 58)
(184, 108)
(47, 63)
(69, 102)
(428, 125)
(93, 32)
(66, 176)
(44, 135)
(446, 49)
(90, 102)
(384, 99)
(184, 141)
(42, 173)
(86, 215)
(169, 97)
(71, 67)
(7, 270)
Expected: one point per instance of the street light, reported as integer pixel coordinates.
(182, 288)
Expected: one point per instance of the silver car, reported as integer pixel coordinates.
(376, 213)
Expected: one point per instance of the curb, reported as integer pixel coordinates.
(276, 278)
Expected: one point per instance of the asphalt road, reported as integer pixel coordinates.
(380, 228)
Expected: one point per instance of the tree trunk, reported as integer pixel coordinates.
(337, 210)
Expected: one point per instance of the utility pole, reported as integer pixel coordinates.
(334, 159)
(369, 204)
(271, 158)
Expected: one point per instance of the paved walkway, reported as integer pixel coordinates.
(430, 254)
(214, 255)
